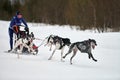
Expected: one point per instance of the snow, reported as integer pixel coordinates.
(38, 67)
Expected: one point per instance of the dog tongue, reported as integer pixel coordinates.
(93, 46)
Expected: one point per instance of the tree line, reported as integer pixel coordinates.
(102, 15)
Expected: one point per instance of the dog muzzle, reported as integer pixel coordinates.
(93, 46)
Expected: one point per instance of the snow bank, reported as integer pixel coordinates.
(38, 67)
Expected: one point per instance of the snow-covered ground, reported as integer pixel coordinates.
(38, 67)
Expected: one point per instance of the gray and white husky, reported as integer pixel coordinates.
(84, 46)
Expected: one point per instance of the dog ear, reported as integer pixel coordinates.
(89, 39)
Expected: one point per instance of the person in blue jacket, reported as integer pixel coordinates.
(16, 22)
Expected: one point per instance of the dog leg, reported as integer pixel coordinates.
(92, 57)
(52, 54)
(62, 54)
(66, 55)
(21, 48)
(26, 46)
(13, 50)
(50, 47)
(16, 45)
(89, 56)
(70, 50)
(74, 53)
(31, 48)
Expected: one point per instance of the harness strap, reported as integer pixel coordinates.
(16, 29)
(42, 42)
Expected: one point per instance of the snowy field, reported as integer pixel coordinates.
(38, 67)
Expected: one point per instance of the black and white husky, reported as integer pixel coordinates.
(84, 46)
(24, 43)
(59, 43)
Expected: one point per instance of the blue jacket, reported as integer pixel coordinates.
(17, 21)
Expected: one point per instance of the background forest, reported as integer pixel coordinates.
(102, 15)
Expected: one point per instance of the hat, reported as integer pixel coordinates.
(18, 13)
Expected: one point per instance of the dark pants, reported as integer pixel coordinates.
(11, 38)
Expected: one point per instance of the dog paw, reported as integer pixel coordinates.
(49, 59)
(50, 49)
(63, 57)
(95, 60)
(62, 60)
(89, 57)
